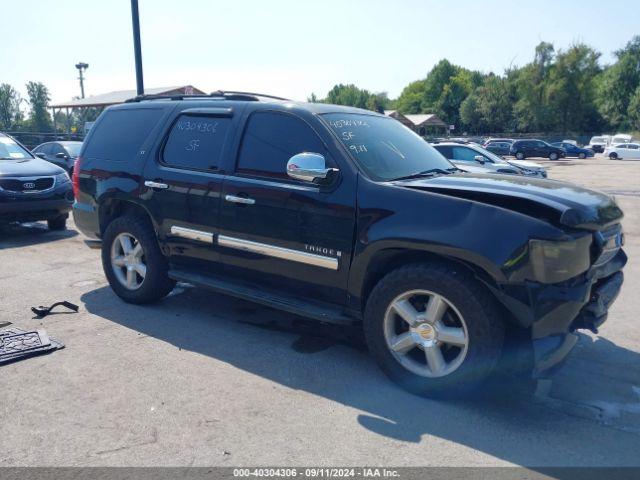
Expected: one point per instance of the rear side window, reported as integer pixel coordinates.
(196, 142)
(56, 149)
(119, 134)
(444, 150)
(271, 139)
(46, 148)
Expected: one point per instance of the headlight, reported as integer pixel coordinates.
(62, 178)
(554, 262)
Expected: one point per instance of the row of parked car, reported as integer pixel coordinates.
(615, 147)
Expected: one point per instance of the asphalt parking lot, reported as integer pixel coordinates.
(201, 379)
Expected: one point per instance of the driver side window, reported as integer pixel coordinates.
(464, 154)
(271, 139)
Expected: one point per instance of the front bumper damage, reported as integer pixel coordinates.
(553, 313)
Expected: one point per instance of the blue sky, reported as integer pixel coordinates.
(291, 47)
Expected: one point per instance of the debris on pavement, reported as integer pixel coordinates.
(16, 344)
(42, 312)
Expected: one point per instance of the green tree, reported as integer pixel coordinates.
(470, 114)
(355, 97)
(619, 83)
(39, 118)
(494, 105)
(532, 112)
(10, 114)
(634, 110)
(410, 100)
(571, 88)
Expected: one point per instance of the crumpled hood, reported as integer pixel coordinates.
(558, 202)
(28, 168)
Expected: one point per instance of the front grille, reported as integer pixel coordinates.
(608, 242)
(26, 185)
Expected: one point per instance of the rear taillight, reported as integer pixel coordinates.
(75, 178)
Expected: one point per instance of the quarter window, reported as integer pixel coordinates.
(196, 142)
(271, 139)
(120, 133)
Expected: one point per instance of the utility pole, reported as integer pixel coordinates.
(135, 19)
(81, 68)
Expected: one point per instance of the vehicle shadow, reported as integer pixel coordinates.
(18, 235)
(333, 363)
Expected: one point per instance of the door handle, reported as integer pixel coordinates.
(152, 184)
(236, 199)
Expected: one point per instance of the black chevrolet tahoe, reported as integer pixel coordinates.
(32, 189)
(346, 216)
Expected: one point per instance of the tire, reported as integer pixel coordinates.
(553, 156)
(520, 155)
(58, 223)
(613, 156)
(468, 307)
(144, 256)
(582, 156)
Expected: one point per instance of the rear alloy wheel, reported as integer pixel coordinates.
(520, 156)
(582, 156)
(613, 156)
(553, 156)
(133, 262)
(433, 329)
(128, 261)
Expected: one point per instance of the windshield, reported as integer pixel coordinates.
(598, 139)
(384, 148)
(73, 148)
(10, 150)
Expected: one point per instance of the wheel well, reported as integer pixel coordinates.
(111, 209)
(390, 259)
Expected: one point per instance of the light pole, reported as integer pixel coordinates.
(135, 20)
(81, 66)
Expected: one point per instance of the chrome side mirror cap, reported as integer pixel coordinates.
(308, 167)
(480, 159)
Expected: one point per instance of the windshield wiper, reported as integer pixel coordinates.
(427, 173)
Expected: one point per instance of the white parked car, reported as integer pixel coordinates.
(599, 143)
(465, 155)
(621, 138)
(629, 151)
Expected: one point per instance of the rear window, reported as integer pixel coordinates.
(119, 134)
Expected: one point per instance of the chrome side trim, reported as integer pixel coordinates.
(279, 252)
(197, 235)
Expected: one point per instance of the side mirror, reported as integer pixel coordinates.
(308, 167)
(62, 155)
(480, 159)
(41, 155)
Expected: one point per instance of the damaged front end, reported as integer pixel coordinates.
(553, 311)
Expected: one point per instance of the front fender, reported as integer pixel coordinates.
(489, 238)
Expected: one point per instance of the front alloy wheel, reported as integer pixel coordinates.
(128, 261)
(553, 156)
(433, 329)
(425, 333)
(520, 156)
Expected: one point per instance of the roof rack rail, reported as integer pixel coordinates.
(228, 95)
